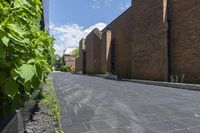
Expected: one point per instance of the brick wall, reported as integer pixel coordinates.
(78, 65)
(69, 61)
(81, 53)
(152, 41)
(121, 36)
(93, 46)
(184, 19)
(149, 55)
(105, 52)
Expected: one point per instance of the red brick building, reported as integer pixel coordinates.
(69, 60)
(92, 49)
(151, 40)
(80, 61)
(184, 38)
(149, 50)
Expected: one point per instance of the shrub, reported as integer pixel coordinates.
(26, 52)
(65, 68)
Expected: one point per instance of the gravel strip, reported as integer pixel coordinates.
(41, 123)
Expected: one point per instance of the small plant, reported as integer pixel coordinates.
(108, 73)
(65, 68)
(59, 131)
(50, 101)
(177, 79)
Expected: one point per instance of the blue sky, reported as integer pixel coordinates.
(71, 20)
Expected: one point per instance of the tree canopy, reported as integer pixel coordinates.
(75, 53)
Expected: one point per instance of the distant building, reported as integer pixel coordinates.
(80, 62)
(69, 60)
(93, 53)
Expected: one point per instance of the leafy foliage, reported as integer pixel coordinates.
(26, 52)
(75, 53)
(65, 68)
(49, 100)
(57, 62)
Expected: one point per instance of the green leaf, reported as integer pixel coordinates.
(2, 52)
(35, 82)
(39, 72)
(11, 88)
(14, 74)
(26, 52)
(3, 77)
(31, 61)
(16, 28)
(7, 106)
(5, 40)
(15, 39)
(26, 72)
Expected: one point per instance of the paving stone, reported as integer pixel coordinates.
(127, 130)
(74, 128)
(190, 121)
(119, 122)
(188, 130)
(66, 121)
(150, 109)
(183, 114)
(98, 125)
(166, 126)
(158, 117)
(80, 117)
(96, 105)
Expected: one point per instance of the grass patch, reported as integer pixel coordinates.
(50, 102)
(59, 131)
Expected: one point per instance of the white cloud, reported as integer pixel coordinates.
(96, 4)
(124, 6)
(68, 36)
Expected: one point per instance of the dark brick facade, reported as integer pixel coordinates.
(152, 40)
(184, 17)
(121, 40)
(148, 49)
(93, 54)
(80, 61)
(105, 51)
(78, 66)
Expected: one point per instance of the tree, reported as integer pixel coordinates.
(75, 53)
(57, 62)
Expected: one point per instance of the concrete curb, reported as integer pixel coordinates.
(17, 122)
(11, 125)
(194, 87)
(112, 77)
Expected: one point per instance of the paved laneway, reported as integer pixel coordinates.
(96, 105)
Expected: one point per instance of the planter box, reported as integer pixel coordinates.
(15, 122)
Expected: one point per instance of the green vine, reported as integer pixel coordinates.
(26, 52)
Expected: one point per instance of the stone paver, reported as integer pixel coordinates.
(96, 105)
